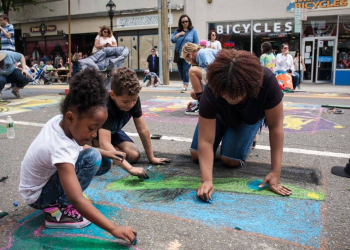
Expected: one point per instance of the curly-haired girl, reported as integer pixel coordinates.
(59, 165)
(240, 95)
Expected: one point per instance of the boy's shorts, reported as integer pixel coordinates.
(119, 137)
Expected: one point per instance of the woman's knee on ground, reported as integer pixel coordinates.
(194, 155)
(230, 162)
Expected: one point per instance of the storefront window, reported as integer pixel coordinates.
(233, 34)
(320, 26)
(343, 55)
(276, 32)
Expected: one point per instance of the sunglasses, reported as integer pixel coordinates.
(184, 22)
(105, 31)
(213, 34)
(285, 48)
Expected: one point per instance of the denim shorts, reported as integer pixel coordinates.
(235, 142)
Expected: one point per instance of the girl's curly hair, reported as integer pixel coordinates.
(87, 93)
(125, 81)
(235, 74)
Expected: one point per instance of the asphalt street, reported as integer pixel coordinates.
(165, 211)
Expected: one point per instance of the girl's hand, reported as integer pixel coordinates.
(205, 190)
(140, 172)
(125, 233)
(161, 161)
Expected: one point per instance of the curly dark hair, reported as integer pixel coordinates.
(86, 93)
(180, 27)
(235, 73)
(125, 81)
(266, 48)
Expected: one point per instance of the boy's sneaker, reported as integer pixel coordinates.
(193, 111)
(64, 217)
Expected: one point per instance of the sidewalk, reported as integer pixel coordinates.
(304, 87)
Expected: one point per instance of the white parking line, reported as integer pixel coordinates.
(184, 139)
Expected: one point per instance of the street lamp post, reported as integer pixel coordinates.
(111, 9)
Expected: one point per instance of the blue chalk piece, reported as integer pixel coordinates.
(15, 203)
(210, 201)
(149, 168)
(135, 241)
(238, 228)
(254, 185)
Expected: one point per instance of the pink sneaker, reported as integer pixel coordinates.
(64, 217)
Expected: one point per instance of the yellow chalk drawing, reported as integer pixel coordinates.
(296, 122)
(338, 126)
(313, 195)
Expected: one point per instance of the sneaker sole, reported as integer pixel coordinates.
(192, 113)
(82, 224)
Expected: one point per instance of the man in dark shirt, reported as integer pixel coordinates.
(124, 103)
(153, 62)
(241, 94)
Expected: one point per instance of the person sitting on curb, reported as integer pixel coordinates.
(200, 59)
(124, 103)
(9, 73)
(151, 78)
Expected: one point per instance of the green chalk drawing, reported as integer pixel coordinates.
(29, 235)
(3, 130)
(238, 185)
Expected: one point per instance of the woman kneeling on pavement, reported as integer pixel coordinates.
(199, 59)
(240, 96)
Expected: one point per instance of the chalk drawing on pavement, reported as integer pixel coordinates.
(28, 104)
(31, 233)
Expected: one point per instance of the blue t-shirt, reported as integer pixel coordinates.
(205, 57)
(8, 44)
(191, 37)
(10, 60)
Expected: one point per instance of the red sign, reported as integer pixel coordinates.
(229, 45)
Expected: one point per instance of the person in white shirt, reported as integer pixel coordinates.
(213, 43)
(59, 164)
(285, 64)
(105, 38)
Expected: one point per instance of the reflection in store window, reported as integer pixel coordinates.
(343, 55)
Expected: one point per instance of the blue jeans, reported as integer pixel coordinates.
(301, 75)
(16, 78)
(89, 164)
(295, 77)
(184, 68)
(236, 142)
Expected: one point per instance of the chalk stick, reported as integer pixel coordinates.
(238, 228)
(210, 201)
(149, 168)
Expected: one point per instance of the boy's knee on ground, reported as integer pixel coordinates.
(230, 162)
(133, 156)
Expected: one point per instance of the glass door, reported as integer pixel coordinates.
(308, 55)
(324, 62)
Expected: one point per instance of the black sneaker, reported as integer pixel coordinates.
(193, 111)
(64, 217)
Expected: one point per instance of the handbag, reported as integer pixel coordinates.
(94, 49)
(177, 52)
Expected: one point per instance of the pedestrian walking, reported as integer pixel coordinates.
(183, 34)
